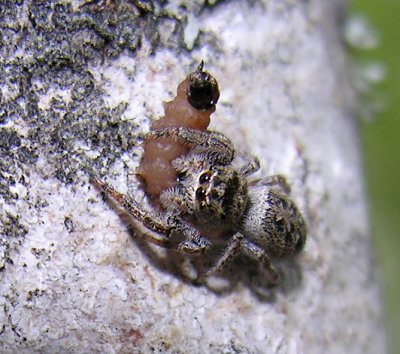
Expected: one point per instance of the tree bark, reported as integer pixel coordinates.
(80, 83)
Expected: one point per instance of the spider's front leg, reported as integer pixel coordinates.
(239, 243)
(214, 146)
(175, 200)
(173, 232)
(231, 252)
(191, 242)
(251, 165)
(150, 221)
(275, 181)
(262, 258)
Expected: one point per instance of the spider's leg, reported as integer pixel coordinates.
(252, 165)
(231, 251)
(274, 181)
(194, 246)
(173, 232)
(215, 146)
(192, 243)
(262, 257)
(174, 200)
(239, 243)
(157, 230)
(131, 206)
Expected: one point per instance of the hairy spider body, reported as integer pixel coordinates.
(273, 222)
(212, 199)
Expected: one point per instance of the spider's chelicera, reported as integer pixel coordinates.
(212, 200)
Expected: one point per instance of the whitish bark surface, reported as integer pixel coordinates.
(80, 83)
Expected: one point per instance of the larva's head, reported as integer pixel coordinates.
(202, 89)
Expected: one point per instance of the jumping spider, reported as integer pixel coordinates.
(212, 200)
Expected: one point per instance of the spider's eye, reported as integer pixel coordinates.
(180, 176)
(200, 194)
(205, 177)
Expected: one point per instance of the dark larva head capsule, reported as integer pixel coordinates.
(202, 90)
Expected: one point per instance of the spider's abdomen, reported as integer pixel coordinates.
(273, 222)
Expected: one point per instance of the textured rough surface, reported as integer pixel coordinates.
(80, 83)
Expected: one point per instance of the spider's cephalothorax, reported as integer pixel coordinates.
(212, 197)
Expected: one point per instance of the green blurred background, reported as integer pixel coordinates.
(381, 142)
